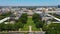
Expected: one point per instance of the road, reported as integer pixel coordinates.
(23, 32)
(54, 17)
(7, 18)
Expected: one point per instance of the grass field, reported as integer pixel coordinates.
(30, 23)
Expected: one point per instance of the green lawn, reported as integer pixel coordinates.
(30, 23)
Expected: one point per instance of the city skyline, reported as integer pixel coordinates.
(29, 2)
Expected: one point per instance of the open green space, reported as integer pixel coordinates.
(30, 23)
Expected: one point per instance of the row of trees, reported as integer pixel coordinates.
(37, 20)
(23, 18)
(13, 27)
(5, 15)
(7, 27)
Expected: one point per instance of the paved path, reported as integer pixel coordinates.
(30, 30)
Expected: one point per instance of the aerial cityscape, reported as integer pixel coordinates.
(29, 17)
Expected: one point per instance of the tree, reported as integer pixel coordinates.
(53, 29)
(44, 28)
(23, 18)
(37, 20)
(19, 25)
(35, 16)
(39, 24)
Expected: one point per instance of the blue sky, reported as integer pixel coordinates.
(29, 2)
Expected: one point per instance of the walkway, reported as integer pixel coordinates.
(30, 30)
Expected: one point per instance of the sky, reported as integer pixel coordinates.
(29, 2)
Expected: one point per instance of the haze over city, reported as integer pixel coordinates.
(29, 2)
